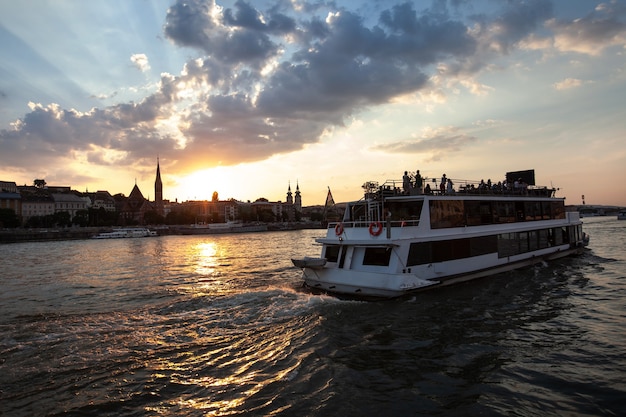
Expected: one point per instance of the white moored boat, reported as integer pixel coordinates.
(128, 232)
(391, 243)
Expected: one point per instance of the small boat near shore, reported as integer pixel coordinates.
(621, 215)
(393, 242)
(125, 233)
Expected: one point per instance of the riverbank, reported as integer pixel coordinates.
(44, 235)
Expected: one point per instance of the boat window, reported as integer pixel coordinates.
(459, 248)
(458, 213)
(342, 259)
(558, 210)
(574, 234)
(546, 210)
(377, 256)
(472, 213)
(545, 236)
(483, 245)
(486, 216)
(332, 253)
(448, 250)
(533, 240)
(405, 210)
(505, 212)
(419, 254)
(478, 212)
(523, 241)
(519, 211)
(508, 245)
(446, 213)
(532, 210)
(442, 251)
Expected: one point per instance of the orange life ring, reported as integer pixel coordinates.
(376, 228)
(338, 229)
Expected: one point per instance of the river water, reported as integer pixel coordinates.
(219, 325)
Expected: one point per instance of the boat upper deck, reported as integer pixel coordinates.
(394, 188)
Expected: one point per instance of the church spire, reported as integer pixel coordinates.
(289, 197)
(158, 190)
(298, 200)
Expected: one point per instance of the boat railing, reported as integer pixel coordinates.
(393, 188)
(367, 224)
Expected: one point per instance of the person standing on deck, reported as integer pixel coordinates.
(418, 182)
(450, 187)
(406, 183)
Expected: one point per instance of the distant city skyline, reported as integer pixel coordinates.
(156, 192)
(242, 97)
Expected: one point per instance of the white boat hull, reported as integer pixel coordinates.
(381, 285)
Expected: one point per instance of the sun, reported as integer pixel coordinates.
(228, 182)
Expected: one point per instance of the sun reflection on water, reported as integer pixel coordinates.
(208, 270)
(206, 258)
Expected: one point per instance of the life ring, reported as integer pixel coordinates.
(338, 229)
(376, 228)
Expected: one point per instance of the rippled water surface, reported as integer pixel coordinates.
(219, 325)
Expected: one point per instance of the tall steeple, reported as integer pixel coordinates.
(158, 190)
(289, 197)
(298, 200)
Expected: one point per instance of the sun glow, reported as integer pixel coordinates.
(228, 182)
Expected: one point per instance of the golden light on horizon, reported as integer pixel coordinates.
(201, 184)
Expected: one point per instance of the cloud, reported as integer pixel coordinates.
(232, 37)
(265, 82)
(567, 83)
(593, 33)
(140, 61)
(435, 142)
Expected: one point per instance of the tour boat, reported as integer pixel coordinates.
(129, 232)
(394, 242)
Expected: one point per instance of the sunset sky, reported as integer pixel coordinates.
(247, 97)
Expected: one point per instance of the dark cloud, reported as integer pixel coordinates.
(271, 81)
(518, 21)
(190, 24)
(197, 24)
(248, 17)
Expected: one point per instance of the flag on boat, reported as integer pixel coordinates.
(329, 207)
(329, 200)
